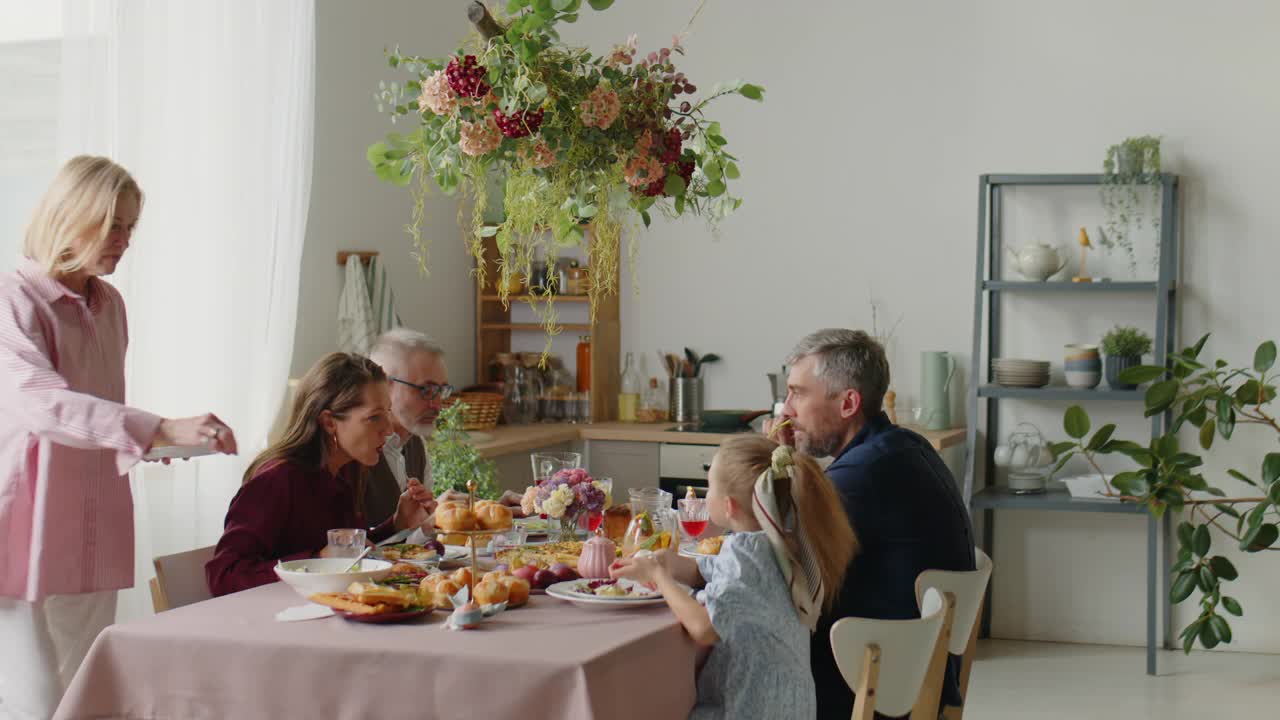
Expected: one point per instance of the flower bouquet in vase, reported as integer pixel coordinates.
(563, 498)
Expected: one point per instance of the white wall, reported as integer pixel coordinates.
(352, 209)
(860, 175)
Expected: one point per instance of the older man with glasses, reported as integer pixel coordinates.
(419, 380)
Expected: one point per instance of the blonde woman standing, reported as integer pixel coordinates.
(67, 441)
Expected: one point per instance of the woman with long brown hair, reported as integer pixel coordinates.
(310, 481)
(763, 594)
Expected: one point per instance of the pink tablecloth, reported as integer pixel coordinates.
(229, 658)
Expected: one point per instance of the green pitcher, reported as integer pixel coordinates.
(936, 370)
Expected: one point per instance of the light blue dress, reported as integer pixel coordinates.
(760, 667)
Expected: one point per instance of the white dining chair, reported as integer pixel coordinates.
(969, 589)
(885, 661)
(180, 579)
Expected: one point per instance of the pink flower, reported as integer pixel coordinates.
(623, 54)
(676, 41)
(644, 143)
(437, 96)
(537, 154)
(600, 108)
(643, 170)
(480, 137)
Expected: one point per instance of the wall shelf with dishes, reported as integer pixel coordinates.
(997, 378)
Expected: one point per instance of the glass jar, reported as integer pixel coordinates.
(653, 524)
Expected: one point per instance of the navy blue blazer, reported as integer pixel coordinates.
(909, 516)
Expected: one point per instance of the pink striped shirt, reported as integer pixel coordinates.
(66, 439)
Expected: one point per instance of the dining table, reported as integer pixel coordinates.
(229, 657)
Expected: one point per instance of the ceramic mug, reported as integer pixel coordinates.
(1083, 366)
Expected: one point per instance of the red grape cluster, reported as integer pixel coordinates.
(467, 79)
(518, 124)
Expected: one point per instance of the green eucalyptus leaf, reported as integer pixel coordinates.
(1223, 568)
(1220, 628)
(1264, 357)
(1076, 422)
(1207, 433)
(1140, 374)
(715, 188)
(562, 5)
(751, 92)
(1270, 468)
(1226, 509)
(1189, 638)
(1194, 351)
(1100, 437)
(1059, 448)
(731, 171)
(1206, 580)
(674, 185)
(1226, 413)
(1182, 587)
(1160, 396)
(1241, 477)
(1232, 605)
(1185, 532)
(1260, 538)
(1200, 540)
(599, 4)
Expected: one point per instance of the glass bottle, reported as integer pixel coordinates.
(629, 396)
(584, 363)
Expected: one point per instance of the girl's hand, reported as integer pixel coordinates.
(415, 506)
(644, 569)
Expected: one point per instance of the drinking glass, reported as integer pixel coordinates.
(347, 542)
(694, 517)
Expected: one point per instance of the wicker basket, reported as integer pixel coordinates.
(483, 409)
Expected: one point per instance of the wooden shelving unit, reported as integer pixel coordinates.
(495, 328)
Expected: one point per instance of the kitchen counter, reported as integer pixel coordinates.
(509, 439)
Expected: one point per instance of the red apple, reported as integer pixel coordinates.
(526, 573)
(564, 573)
(544, 579)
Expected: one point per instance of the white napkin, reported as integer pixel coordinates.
(310, 611)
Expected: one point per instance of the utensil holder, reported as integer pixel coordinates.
(686, 400)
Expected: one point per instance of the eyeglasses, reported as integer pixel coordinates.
(430, 391)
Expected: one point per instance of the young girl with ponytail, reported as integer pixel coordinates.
(763, 594)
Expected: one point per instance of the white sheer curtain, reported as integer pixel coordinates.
(211, 106)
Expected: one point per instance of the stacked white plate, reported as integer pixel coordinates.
(1021, 373)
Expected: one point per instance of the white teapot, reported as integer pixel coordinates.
(1037, 261)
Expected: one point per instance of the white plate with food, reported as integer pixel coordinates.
(177, 452)
(605, 594)
(706, 547)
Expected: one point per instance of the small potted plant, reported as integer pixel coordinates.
(1124, 348)
(1127, 166)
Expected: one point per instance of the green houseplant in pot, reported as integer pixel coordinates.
(1128, 166)
(1124, 348)
(1213, 399)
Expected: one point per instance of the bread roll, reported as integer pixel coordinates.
(451, 518)
(517, 590)
(493, 516)
(489, 592)
(462, 576)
